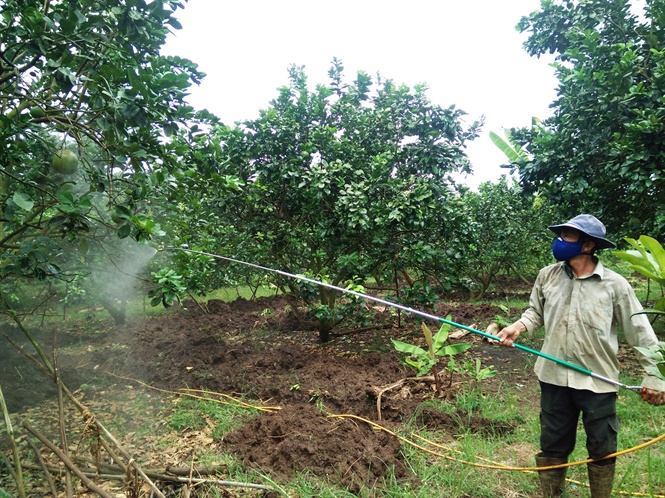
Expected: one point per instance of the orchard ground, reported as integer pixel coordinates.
(258, 352)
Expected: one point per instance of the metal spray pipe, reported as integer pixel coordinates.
(572, 366)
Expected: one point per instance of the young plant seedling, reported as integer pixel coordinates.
(423, 360)
(477, 372)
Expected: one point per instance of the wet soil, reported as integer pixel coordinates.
(259, 351)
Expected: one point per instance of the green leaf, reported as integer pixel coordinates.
(174, 22)
(428, 339)
(409, 348)
(655, 371)
(124, 231)
(651, 353)
(67, 208)
(453, 349)
(504, 147)
(641, 262)
(441, 336)
(23, 201)
(426, 367)
(657, 251)
(659, 305)
(65, 197)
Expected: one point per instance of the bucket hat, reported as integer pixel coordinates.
(589, 225)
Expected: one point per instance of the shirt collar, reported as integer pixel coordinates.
(599, 270)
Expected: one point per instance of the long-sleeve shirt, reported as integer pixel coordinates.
(581, 316)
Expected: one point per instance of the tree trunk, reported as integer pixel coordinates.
(325, 325)
(118, 312)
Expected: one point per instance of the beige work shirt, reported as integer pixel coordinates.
(581, 316)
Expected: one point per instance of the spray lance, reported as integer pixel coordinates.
(572, 366)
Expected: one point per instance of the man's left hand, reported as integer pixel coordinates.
(655, 398)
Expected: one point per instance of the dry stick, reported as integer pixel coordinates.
(131, 480)
(380, 393)
(87, 414)
(162, 477)
(88, 473)
(393, 386)
(63, 432)
(43, 467)
(18, 473)
(113, 455)
(173, 471)
(68, 463)
(9, 466)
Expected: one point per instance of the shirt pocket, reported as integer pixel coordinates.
(596, 315)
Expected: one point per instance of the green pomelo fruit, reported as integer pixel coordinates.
(65, 162)
(37, 112)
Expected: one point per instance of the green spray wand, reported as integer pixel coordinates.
(572, 366)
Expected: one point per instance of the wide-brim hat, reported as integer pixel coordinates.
(590, 226)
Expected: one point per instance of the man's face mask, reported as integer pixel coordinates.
(563, 250)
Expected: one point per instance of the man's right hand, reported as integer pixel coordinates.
(655, 398)
(509, 334)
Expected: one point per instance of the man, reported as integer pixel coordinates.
(581, 304)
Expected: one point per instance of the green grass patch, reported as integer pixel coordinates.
(228, 294)
(192, 414)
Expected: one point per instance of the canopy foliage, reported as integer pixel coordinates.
(603, 149)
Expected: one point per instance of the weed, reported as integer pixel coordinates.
(316, 397)
(477, 372)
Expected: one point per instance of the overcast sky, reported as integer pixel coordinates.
(467, 51)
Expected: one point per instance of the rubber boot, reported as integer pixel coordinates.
(551, 481)
(601, 478)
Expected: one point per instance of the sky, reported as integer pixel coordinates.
(467, 52)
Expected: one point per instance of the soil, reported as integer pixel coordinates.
(258, 351)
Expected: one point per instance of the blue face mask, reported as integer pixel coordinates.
(563, 251)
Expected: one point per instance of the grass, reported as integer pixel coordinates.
(193, 414)
(228, 294)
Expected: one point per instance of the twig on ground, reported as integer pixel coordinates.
(112, 472)
(86, 415)
(158, 473)
(63, 431)
(68, 463)
(17, 473)
(43, 467)
(379, 391)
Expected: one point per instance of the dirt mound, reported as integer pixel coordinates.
(299, 437)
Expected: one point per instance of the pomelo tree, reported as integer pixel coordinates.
(603, 149)
(88, 106)
(340, 182)
(502, 233)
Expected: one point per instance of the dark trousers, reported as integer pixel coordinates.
(560, 412)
